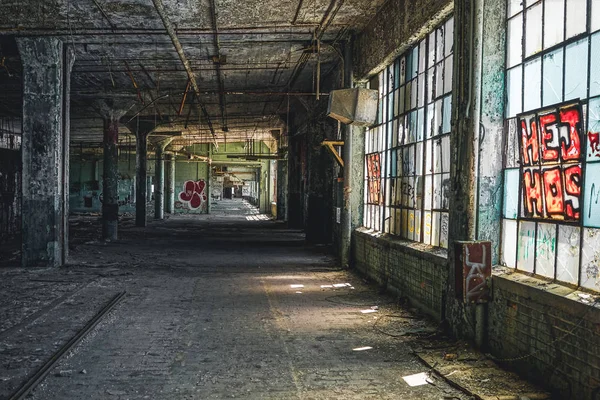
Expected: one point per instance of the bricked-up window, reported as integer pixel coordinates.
(407, 195)
(551, 204)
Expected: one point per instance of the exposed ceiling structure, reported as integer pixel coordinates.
(248, 60)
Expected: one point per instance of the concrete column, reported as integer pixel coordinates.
(44, 155)
(110, 179)
(282, 190)
(141, 171)
(159, 180)
(347, 155)
(464, 142)
(143, 190)
(111, 110)
(170, 191)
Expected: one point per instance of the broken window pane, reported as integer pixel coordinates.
(422, 56)
(593, 131)
(439, 52)
(419, 158)
(435, 229)
(421, 92)
(428, 192)
(427, 227)
(526, 246)
(554, 22)
(545, 251)
(533, 85)
(590, 267)
(446, 153)
(576, 68)
(430, 85)
(431, 49)
(420, 124)
(576, 17)
(438, 117)
(444, 230)
(591, 212)
(533, 30)
(552, 85)
(447, 115)
(448, 66)
(449, 37)
(430, 123)
(439, 80)
(567, 248)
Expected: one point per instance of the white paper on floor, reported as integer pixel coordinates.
(416, 379)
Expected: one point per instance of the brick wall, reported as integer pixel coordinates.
(552, 325)
(411, 270)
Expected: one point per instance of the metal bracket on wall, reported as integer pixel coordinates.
(329, 144)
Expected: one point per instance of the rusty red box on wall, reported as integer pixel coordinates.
(473, 268)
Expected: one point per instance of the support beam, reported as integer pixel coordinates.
(330, 145)
(142, 129)
(111, 110)
(159, 179)
(46, 68)
(110, 179)
(170, 192)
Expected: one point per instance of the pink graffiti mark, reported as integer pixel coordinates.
(193, 194)
(594, 144)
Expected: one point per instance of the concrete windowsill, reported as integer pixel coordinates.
(542, 291)
(436, 255)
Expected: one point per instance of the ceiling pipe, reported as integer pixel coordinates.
(217, 65)
(186, 64)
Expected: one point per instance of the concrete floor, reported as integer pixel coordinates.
(227, 305)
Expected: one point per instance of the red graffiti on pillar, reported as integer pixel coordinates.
(193, 194)
(551, 173)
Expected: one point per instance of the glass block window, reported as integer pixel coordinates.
(551, 207)
(408, 152)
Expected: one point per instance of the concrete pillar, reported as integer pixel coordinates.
(464, 142)
(110, 179)
(282, 190)
(141, 173)
(45, 151)
(170, 191)
(111, 110)
(143, 190)
(159, 180)
(349, 161)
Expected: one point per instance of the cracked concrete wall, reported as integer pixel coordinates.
(397, 26)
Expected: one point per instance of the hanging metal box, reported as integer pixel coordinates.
(355, 106)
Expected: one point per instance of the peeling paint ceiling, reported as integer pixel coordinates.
(249, 58)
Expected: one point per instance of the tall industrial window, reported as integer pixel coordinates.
(407, 165)
(551, 203)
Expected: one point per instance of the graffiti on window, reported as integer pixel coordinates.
(374, 178)
(551, 174)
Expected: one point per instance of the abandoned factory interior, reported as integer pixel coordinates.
(300, 199)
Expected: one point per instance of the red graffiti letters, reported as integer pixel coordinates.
(550, 162)
(594, 144)
(193, 194)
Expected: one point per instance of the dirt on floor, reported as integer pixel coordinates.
(226, 305)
